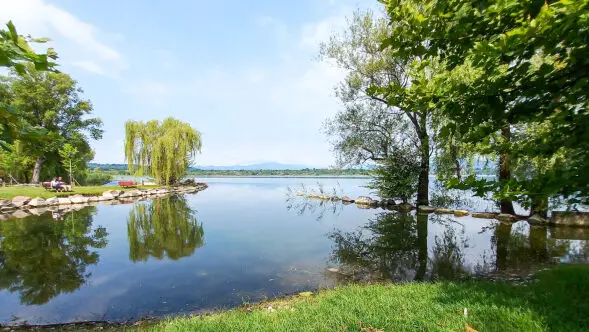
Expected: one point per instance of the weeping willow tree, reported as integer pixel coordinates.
(163, 150)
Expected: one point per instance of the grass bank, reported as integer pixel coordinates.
(11, 191)
(556, 302)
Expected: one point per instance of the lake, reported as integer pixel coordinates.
(245, 240)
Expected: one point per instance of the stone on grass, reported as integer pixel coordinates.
(19, 201)
(36, 202)
(113, 193)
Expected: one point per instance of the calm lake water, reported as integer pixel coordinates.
(243, 240)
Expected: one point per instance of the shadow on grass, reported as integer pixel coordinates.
(557, 301)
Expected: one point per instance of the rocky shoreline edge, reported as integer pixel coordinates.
(558, 218)
(23, 206)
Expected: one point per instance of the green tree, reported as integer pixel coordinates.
(528, 68)
(397, 176)
(52, 101)
(161, 228)
(15, 53)
(163, 150)
(388, 100)
(69, 156)
(42, 258)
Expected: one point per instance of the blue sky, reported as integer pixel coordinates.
(244, 73)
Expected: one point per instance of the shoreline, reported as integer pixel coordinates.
(24, 206)
(389, 306)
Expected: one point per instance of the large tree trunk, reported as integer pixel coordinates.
(423, 183)
(539, 207)
(37, 170)
(506, 205)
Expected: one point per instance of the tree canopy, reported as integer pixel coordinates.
(51, 101)
(163, 150)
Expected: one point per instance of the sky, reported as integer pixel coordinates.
(244, 73)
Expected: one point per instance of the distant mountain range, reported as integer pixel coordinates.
(260, 166)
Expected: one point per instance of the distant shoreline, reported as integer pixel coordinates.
(283, 176)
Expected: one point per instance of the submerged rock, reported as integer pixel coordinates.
(333, 270)
(19, 201)
(347, 199)
(507, 217)
(461, 213)
(444, 211)
(366, 201)
(38, 211)
(537, 220)
(484, 215)
(570, 218)
(426, 209)
(405, 207)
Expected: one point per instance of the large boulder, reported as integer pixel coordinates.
(37, 202)
(107, 196)
(52, 201)
(64, 201)
(19, 201)
(78, 199)
(366, 201)
(93, 199)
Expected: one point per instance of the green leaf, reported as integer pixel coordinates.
(12, 30)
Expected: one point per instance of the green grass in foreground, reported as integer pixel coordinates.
(557, 302)
(12, 191)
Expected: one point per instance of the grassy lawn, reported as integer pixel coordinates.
(558, 301)
(10, 192)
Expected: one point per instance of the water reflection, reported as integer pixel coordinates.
(41, 258)
(165, 227)
(394, 246)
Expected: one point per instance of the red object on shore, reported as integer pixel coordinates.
(127, 184)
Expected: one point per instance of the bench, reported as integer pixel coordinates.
(127, 184)
(47, 186)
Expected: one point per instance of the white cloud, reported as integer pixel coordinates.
(316, 32)
(72, 37)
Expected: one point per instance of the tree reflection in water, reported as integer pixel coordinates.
(164, 227)
(41, 258)
(394, 246)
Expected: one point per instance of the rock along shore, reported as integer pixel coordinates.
(23, 206)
